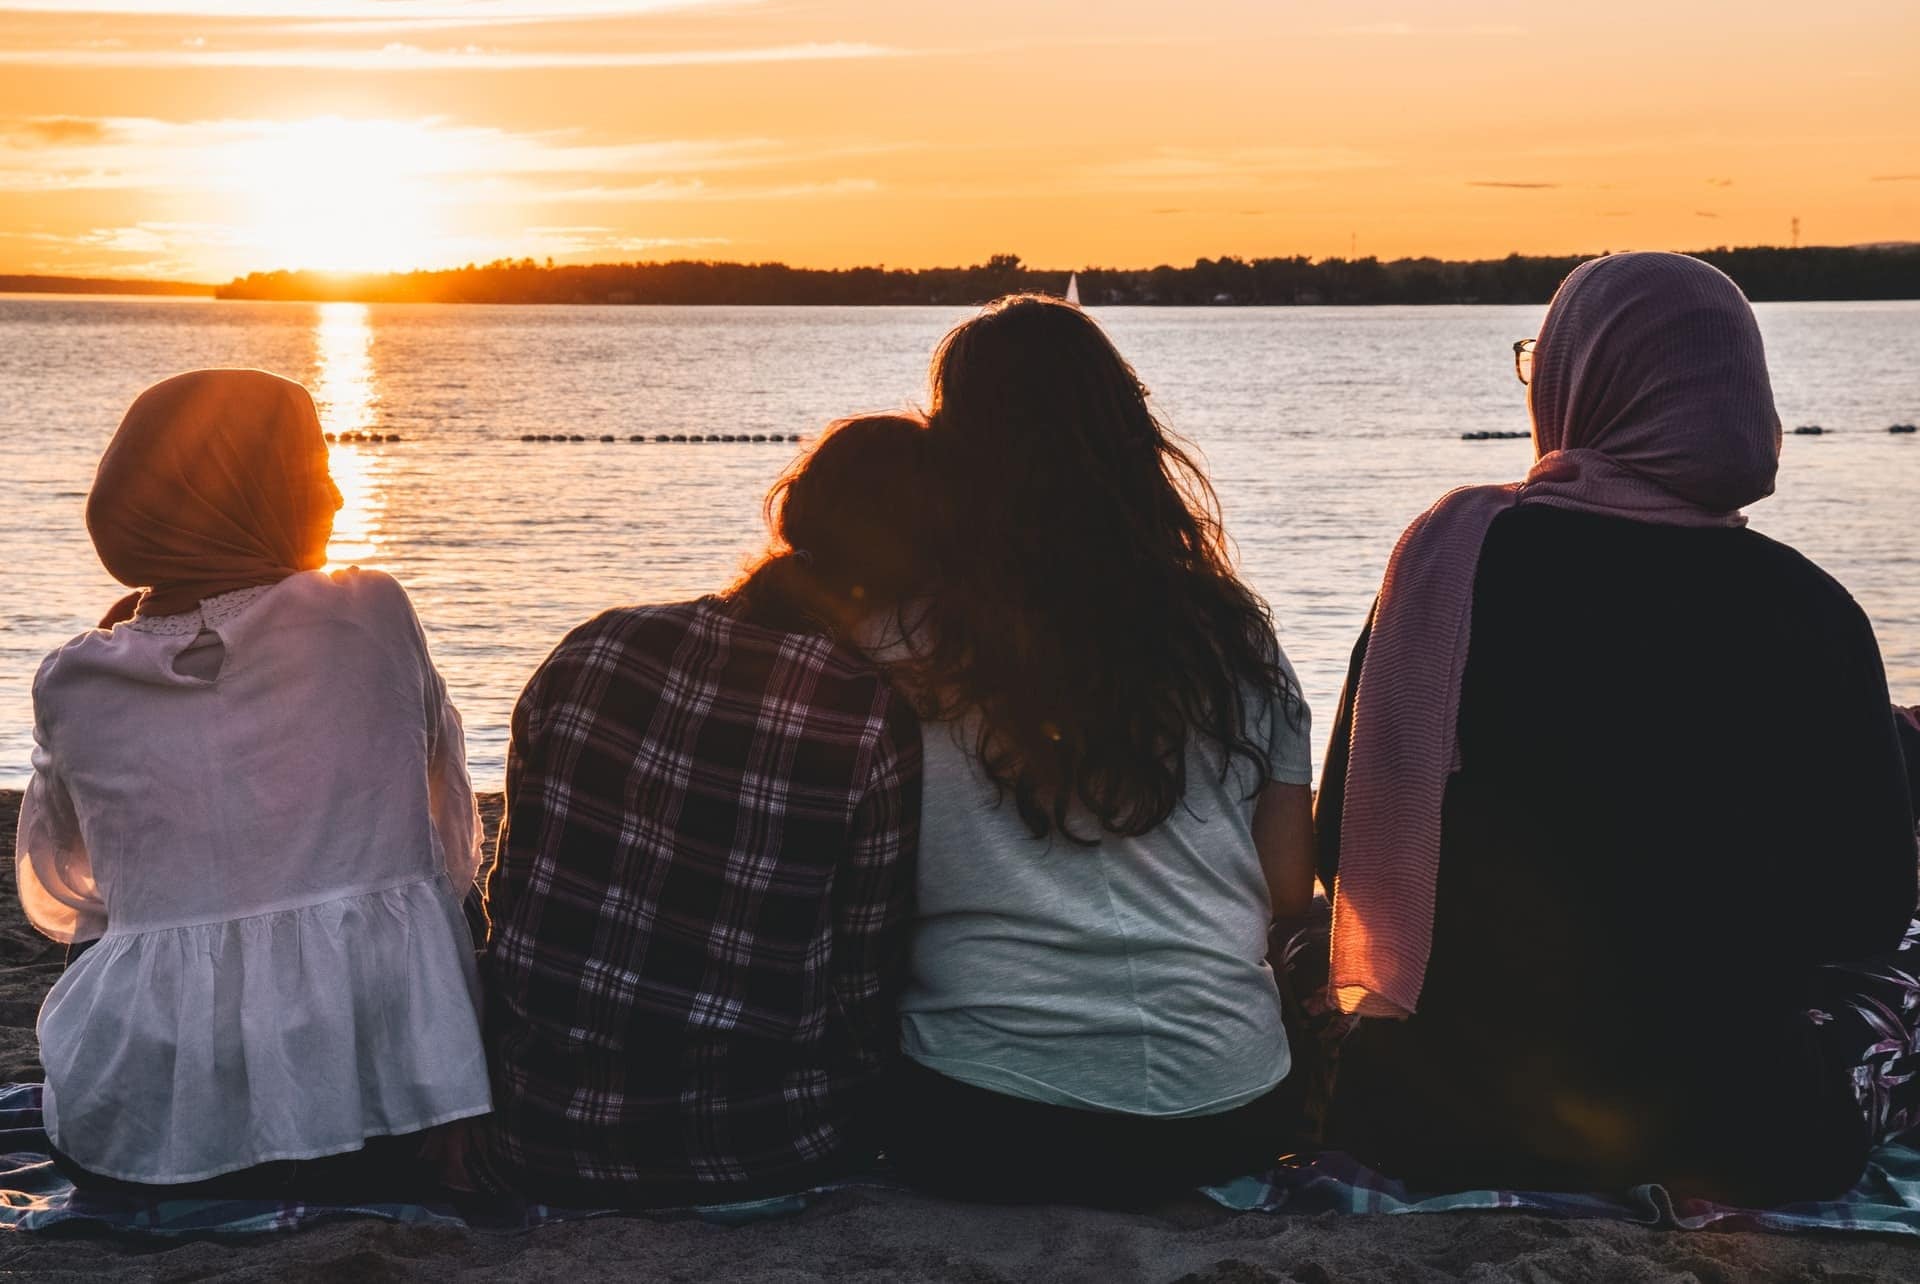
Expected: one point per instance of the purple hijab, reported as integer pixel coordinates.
(1650, 401)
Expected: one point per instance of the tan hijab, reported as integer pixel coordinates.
(216, 480)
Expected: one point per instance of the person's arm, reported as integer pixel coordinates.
(452, 811)
(873, 894)
(52, 869)
(523, 818)
(1283, 835)
(1855, 823)
(450, 801)
(1908, 723)
(1283, 811)
(1333, 771)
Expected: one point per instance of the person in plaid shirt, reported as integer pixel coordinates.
(703, 883)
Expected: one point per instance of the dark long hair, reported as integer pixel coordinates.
(1084, 604)
(845, 519)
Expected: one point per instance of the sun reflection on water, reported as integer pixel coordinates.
(347, 397)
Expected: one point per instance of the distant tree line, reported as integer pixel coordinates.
(96, 285)
(1886, 272)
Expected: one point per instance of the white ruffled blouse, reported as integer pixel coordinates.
(261, 810)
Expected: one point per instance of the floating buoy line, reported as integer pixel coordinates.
(1804, 430)
(1815, 430)
(669, 438)
(686, 438)
(675, 438)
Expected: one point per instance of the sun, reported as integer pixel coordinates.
(339, 195)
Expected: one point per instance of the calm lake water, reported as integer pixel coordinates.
(1326, 430)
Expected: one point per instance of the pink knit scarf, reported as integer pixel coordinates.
(1650, 401)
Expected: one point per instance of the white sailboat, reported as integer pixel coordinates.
(1073, 289)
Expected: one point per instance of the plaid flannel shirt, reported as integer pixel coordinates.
(700, 902)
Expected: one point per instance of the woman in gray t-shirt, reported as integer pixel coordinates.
(1116, 792)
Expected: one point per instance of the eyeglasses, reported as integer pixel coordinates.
(1523, 359)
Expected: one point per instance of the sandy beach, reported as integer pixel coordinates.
(875, 1235)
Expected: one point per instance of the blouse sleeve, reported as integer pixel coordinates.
(455, 813)
(51, 865)
(1289, 727)
(451, 806)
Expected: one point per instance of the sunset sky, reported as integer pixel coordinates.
(202, 139)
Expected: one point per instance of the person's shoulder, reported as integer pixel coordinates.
(1527, 545)
(371, 600)
(356, 582)
(347, 588)
(1794, 568)
(1281, 688)
(618, 631)
(1267, 638)
(838, 664)
(68, 656)
(1534, 528)
(110, 649)
(1806, 591)
(847, 671)
(1547, 532)
(627, 621)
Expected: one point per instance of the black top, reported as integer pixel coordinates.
(1681, 791)
(1908, 720)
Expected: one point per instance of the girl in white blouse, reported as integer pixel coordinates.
(250, 790)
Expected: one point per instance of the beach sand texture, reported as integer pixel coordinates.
(871, 1235)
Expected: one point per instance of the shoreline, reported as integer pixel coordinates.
(1880, 272)
(875, 1235)
(115, 296)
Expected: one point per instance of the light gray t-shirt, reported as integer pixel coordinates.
(1131, 977)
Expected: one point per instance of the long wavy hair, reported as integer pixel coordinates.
(1084, 605)
(845, 520)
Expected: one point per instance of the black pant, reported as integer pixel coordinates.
(953, 1139)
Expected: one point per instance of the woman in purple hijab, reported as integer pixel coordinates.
(1615, 814)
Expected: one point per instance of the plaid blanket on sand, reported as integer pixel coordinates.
(35, 1197)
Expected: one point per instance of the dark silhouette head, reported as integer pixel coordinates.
(845, 519)
(1085, 607)
(1656, 361)
(215, 480)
